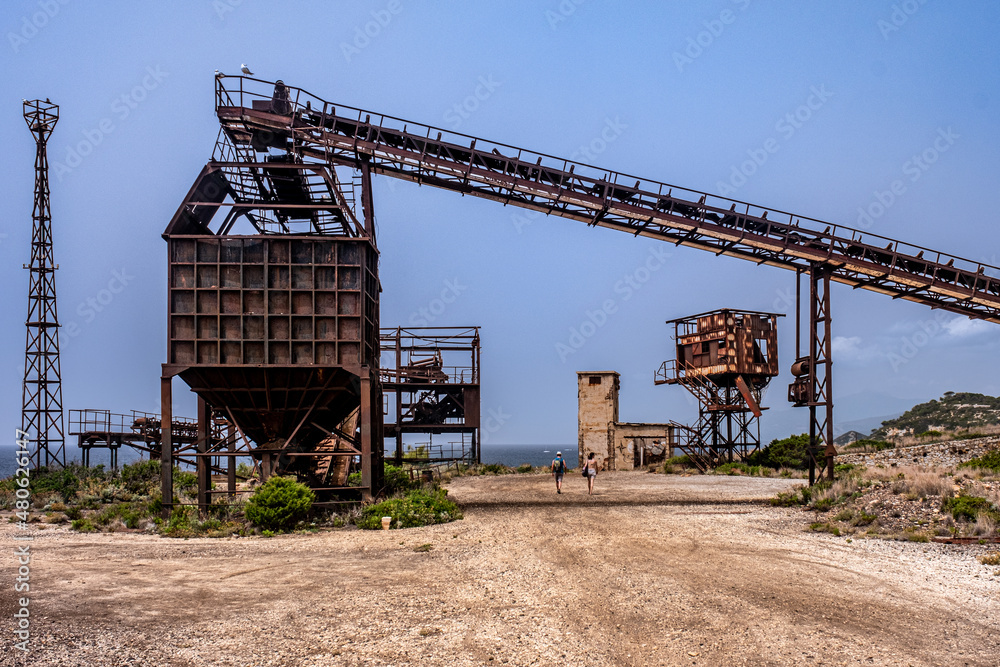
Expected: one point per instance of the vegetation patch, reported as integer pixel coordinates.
(279, 504)
(416, 508)
(988, 461)
(969, 508)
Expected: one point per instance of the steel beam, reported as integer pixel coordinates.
(166, 445)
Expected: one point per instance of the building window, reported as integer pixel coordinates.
(595, 379)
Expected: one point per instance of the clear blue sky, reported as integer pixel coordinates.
(844, 94)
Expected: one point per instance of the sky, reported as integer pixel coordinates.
(875, 114)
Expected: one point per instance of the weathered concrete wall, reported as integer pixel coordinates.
(939, 454)
(597, 412)
(629, 439)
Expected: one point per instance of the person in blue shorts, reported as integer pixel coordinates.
(558, 470)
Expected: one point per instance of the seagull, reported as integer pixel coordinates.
(218, 73)
(245, 69)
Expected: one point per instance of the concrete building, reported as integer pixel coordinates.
(618, 445)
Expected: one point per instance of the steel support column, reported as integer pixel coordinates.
(821, 447)
(365, 417)
(166, 445)
(203, 463)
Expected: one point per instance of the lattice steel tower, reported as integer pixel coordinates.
(42, 413)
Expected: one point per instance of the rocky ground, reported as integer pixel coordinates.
(652, 570)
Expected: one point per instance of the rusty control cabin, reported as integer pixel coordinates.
(725, 358)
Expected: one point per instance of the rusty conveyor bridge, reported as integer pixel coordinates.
(319, 132)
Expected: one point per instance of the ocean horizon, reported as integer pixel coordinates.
(509, 455)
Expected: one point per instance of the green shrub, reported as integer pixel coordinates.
(279, 504)
(83, 526)
(64, 481)
(417, 508)
(495, 469)
(930, 434)
(524, 468)
(141, 477)
(73, 513)
(790, 452)
(180, 524)
(842, 468)
(968, 507)
(988, 461)
(354, 479)
(682, 460)
(184, 480)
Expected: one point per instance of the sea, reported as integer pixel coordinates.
(509, 455)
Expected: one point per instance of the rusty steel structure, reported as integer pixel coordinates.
(276, 328)
(139, 430)
(725, 358)
(42, 410)
(295, 168)
(430, 378)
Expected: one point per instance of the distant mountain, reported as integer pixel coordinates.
(848, 438)
(953, 412)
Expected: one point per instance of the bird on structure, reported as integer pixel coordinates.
(245, 69)
(218, 73)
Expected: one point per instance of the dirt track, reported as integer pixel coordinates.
(652, 570)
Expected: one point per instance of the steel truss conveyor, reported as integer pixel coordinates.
(318, 132)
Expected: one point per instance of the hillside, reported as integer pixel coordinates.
(960, 411)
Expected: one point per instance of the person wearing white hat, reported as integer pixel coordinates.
(558, 470)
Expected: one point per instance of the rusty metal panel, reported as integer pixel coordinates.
(274, 301)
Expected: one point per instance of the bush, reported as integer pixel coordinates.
(524, 468)
(279, 504)
(791, 452)
(417, 508)
(682, 460)
(64, 481)
(968, 507)
(988, 461)
(495, 469)
(83, 526)
(141, 477)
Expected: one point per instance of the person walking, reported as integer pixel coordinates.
(558, 470)
(590, 471)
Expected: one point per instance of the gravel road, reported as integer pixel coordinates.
(651, 570)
